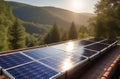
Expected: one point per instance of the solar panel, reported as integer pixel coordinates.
(61, 63)
(71, 45)
(97, 47)
(95, 39)
(46, 62)
(11, 60)
(108, 41)
(59, 46)
(84, 52)
(78, 44)
(85, 42)
(42, 52)
(32, 70)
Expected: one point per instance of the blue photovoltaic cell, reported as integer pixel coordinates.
(84, 52)
(97, 47)
(60, 63)
(71, 45)
(51, 51)
(37, 54)
(43, 52)
(85, 42)
(108, 41)
(32, 70)
(11, 60)
(60, 46)
(78, 44)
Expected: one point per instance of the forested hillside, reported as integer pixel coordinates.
(48, 15)
(35, 32)
(32, 28)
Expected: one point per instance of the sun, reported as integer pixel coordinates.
(77, 5)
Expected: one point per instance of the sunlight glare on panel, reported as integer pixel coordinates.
(70, 46)
(67, 64)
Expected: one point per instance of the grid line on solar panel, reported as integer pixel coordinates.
(19, 65)
(43, 53)
(84, 52)
(80, 42)
(96, 39)
(11, 60)
(108, 41)
(91, 49)
(57, 58)
(36, 60)
(72, 45)
(60, 63)
(97, 47)
(32, 70)
(94, 42)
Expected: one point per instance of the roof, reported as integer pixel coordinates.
(111, 68)
(1, 77)
(99, 68)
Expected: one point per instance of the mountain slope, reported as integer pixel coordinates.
(48, 15)
(32, 28)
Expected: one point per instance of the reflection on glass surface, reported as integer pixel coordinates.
(70, 46)
(78, 51)
(66, 64)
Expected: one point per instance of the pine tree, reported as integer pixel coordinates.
(53, 36)
(17, 35)
(64, 35)
(6, 21)
(83, 32)
(83, 29)
(72, 32)
(106, 23)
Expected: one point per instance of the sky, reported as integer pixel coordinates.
(79, 6)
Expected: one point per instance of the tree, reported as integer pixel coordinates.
(82, 29)
(17, 35)
(83, 32)
(72, 32)
(32, 40)
(106, 23)
(6, 21)
(53, 36)
(63, 34)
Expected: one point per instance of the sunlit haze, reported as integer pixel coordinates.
(72, 5)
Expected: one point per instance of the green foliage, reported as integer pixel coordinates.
(63, 34)
(72, 32)
(17, 35)
(106, 23)
(32, 40)
(6, 21)
(53, 36)
(32, 28)
(83, 32)
(83, 29)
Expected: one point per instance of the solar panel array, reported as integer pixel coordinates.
(47, 62)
